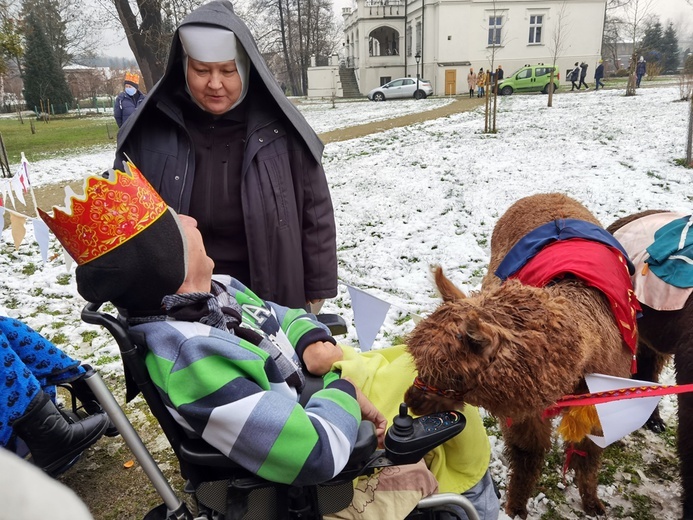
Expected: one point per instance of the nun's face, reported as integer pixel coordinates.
(215, 86)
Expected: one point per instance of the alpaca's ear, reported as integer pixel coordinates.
(446, 288)
(482, 338)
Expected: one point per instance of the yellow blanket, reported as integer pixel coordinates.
(383, 376)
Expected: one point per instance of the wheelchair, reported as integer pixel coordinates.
(223, 490)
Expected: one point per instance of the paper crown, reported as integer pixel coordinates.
(132, 78)
(111, 212)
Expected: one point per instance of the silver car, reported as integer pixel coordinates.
(401, 88)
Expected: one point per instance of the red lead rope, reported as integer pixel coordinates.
(633, 392)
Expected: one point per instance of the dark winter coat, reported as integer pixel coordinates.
(599, 71)
(583, 71)
(286, 205)
(574, 74)
(641, 68)
(125, 105)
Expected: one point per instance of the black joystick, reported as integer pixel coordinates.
(403, 424)
(409, 439)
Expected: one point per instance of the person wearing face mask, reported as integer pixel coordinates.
(220, 142)
(127, 101)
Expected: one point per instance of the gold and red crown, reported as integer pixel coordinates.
(111, 212)
(133, 77)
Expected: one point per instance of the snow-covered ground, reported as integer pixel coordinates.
(430, 194)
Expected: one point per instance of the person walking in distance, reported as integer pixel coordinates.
(471, 82)
(127, 101)
(480, 82)
(583, 74)
(573, 77)
(640, 70)
(598, 75)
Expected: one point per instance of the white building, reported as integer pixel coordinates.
(383, 37)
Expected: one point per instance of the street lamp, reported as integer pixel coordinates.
(418, 59)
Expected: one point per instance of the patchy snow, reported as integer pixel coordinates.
(351, 113)
(430, 194)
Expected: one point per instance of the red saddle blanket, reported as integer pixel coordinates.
(599, 266)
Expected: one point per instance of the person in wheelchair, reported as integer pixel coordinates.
(229, 365)
(31, 368)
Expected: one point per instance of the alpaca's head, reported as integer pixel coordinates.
(491, 349)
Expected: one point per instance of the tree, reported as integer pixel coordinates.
(614, 28)
(70, 29)
(11, 48)
(557, 42)
(46, 13)
(670, 49)
(293, 30)
(149, 30)
(44, 80)
(10, 42)
(497, 38)
(652, 40)
(636, 16)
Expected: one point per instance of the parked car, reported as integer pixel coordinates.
(402, 88)
(530, 78)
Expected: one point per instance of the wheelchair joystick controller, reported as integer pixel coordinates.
(409, 439)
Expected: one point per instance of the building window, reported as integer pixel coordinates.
(418, 37)
(409, 40)
(495, 24)
(535, 22)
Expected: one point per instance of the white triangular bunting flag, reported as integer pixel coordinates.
(369, 315)
(68, 260)
(41, 236)
(18, 189)
(6, 190)
(416, 318)
(619, 418)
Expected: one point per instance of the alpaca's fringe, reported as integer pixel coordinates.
(577, 422)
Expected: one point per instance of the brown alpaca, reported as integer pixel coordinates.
(515, 350)
(660, 335)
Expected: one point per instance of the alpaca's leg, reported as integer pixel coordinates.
(526, 444)
(586, 475)
(650, 365)
(683, 361)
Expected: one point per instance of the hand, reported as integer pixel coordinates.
(319, 357)
(370, 413)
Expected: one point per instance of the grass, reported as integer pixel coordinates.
(60, 136)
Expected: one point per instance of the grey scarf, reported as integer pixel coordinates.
(218, 310)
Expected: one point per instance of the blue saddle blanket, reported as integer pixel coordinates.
(560, 229)
(671, 253)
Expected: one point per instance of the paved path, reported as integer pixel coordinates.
(459, 104)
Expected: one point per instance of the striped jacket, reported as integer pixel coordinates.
(231, 393)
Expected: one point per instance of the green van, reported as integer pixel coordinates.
(530, 78)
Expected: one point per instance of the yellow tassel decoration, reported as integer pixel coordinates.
(577, 422)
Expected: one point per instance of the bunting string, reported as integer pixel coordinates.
(16, 213)
(608, 396)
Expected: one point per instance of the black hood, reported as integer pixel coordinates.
(220, 13)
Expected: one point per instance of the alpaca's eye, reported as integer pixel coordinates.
(472, 344)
